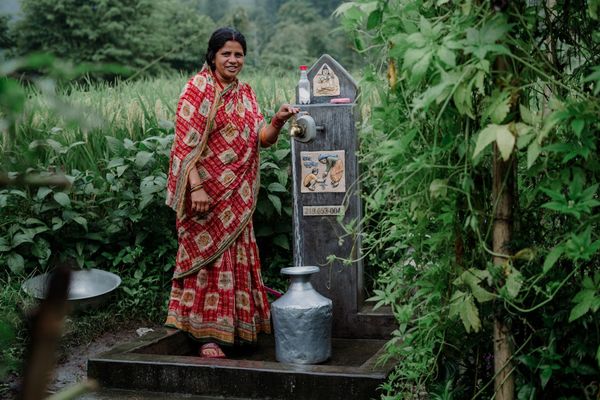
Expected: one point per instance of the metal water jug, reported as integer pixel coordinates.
(302, 320)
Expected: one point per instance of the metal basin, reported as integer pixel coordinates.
(88, 289)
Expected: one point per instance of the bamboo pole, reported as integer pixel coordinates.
(503, 198)
(503, 195)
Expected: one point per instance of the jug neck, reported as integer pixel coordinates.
(299, 283)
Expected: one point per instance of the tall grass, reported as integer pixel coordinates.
(69, 130)
(114, 216)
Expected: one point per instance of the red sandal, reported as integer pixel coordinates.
(211, 350)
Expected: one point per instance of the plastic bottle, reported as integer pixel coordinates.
(303, 87)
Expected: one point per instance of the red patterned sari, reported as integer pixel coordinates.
(217, 292)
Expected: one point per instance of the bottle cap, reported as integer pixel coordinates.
(303, 68)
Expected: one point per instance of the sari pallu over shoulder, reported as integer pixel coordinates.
(195, 114)
(217, 133)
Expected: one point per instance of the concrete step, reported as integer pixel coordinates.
(116, 394)
(165, 361)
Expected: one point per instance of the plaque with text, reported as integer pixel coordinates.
(317, 211)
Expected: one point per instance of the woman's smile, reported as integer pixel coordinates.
(229, 61)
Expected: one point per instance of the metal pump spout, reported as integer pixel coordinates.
(304, 128)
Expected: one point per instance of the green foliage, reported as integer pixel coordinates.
(118, 179)
(150, 36)
(463, 79)
(187, 35)
(135, 33)
(273, 216)
(11, 326)
(99, 216)
(6, 39)
(113, 216)
(300, 36)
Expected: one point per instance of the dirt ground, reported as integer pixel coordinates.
(71, 366)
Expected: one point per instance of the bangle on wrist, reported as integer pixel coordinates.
(277, 123)
(195, 187)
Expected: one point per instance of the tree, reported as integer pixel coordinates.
(302, 35)
(187, 35)
(325, 7)
(6, 37)
(140, 34)
(214, 10)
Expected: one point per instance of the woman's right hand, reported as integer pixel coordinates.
(200, 201)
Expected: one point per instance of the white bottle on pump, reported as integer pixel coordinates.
(303, 87)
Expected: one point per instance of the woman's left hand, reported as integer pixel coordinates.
(286, 111)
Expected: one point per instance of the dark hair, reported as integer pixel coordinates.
(217, 41)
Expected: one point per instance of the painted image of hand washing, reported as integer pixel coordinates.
(323, 171)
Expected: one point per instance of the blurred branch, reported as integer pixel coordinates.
(45, 331)
(34, 180)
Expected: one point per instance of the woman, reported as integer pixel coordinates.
(218, 295)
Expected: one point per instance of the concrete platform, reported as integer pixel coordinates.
(164, 361)
(118, 394)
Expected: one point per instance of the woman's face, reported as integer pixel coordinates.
(229, 61)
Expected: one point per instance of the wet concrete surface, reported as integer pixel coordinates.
(114, 394)
(166, 361)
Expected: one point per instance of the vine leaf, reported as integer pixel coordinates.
(533, 152)
(412, 56)
(552, 258)
(438, 188)
(505, 141)
(586, 299)
(447, 56)
(545, 375)
(462, 304)
(374, 19)
(463, 100)
(486, 136)
(501, 134)
(583, 306)
(498, 108)
(514, 281)
(472, 278)
(420, 68)
(528, 116)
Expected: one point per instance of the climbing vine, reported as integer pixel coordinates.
(463, 88)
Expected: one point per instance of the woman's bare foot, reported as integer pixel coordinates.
(211, 350)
